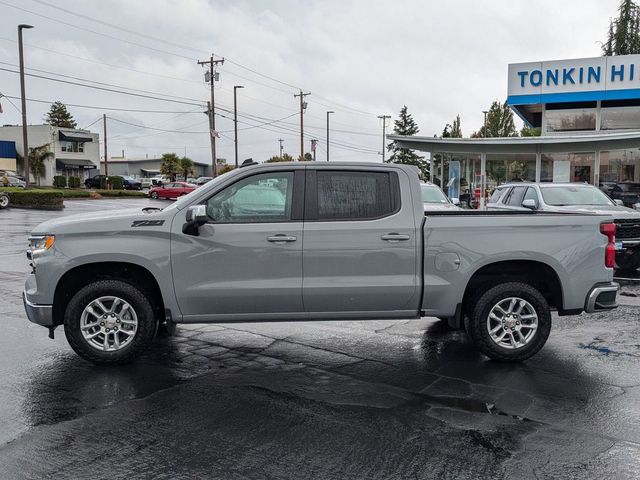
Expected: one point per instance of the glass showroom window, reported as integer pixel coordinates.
(568, 167)
(620, 118)
(510, 167)
(619, 166)
(460, 174)
(570, 120)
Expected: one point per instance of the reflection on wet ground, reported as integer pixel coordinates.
(377, 399)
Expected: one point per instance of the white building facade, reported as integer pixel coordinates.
(75, 152)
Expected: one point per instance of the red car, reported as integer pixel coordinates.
(172, 190)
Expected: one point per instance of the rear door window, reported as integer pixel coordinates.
(354, 195)
(495, 196)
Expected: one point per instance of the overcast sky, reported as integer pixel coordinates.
(358, 58)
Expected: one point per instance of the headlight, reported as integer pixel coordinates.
(40, 244)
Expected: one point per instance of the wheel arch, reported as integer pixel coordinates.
(538, 274)
(81, 275)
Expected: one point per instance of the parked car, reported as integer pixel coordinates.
(575, 197)
(130, 183)
(368, 253)
(628, 193)
(12, 181)
(146, 182)
(434, 199)
(159, 180)
(94, 182)
(203, 180)
(171, 190)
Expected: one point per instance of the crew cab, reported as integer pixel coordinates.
(310, 241)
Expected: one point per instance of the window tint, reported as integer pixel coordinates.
(258, 199)
(531, 195)
(355, 195)
(516, 196)
(495, 196)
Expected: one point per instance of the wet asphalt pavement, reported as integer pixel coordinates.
(330, 400)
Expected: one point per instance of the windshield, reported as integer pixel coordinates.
(432, 194)
(574, 195)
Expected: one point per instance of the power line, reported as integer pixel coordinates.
(117, 109)
(102, 88)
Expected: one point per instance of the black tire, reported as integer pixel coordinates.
(154, 195)
(146, 330)
(476, 323)
(4, 200)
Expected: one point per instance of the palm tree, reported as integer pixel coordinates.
(37, 160)
(186, 165)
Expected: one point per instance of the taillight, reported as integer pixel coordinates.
(609, 229)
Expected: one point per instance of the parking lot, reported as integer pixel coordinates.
(376, 399)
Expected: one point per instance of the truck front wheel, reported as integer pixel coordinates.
(509, 322)
(109, 322)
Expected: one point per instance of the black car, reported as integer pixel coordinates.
(130, 183)
(628, 192)
(93, 182)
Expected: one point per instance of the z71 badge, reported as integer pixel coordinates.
(147, 223)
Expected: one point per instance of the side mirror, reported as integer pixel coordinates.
(618, 202)
(530, 203)
(196, 216)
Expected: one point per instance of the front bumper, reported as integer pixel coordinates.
(602, 297)
(40, 314)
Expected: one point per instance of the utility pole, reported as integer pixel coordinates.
(384, 133)
(303, 105)
(235, 119)
(328, 113)
(281, 140)
(25, 141)
(211, 78)
(106, 155)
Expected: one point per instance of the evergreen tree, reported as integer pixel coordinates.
(452, 131)
(623, 37)
(59, 116)
(406, 125)
(530, 131)
(499, 122)
(170, 166)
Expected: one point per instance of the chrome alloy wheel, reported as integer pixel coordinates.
(512, 323)
(4, 200)
(108, 323)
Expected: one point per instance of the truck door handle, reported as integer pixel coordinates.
(281, 238)
(395, 237)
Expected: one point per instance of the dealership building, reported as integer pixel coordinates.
(588, 111)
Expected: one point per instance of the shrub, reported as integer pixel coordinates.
(74, 182)
(116, 182)
(120, 193)
(60, 181)
(39, 199)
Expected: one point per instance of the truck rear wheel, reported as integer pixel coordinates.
(509, 322)
(109, 322)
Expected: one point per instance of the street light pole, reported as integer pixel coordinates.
(25, 141)
(384, 119)
(485, 122)
(235, 119)
(328, 134)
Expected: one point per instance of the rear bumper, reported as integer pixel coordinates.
(602, 297)
(40, 314)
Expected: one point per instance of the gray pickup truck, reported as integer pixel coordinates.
(310, 241)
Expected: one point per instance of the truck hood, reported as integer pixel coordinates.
(108, 221)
